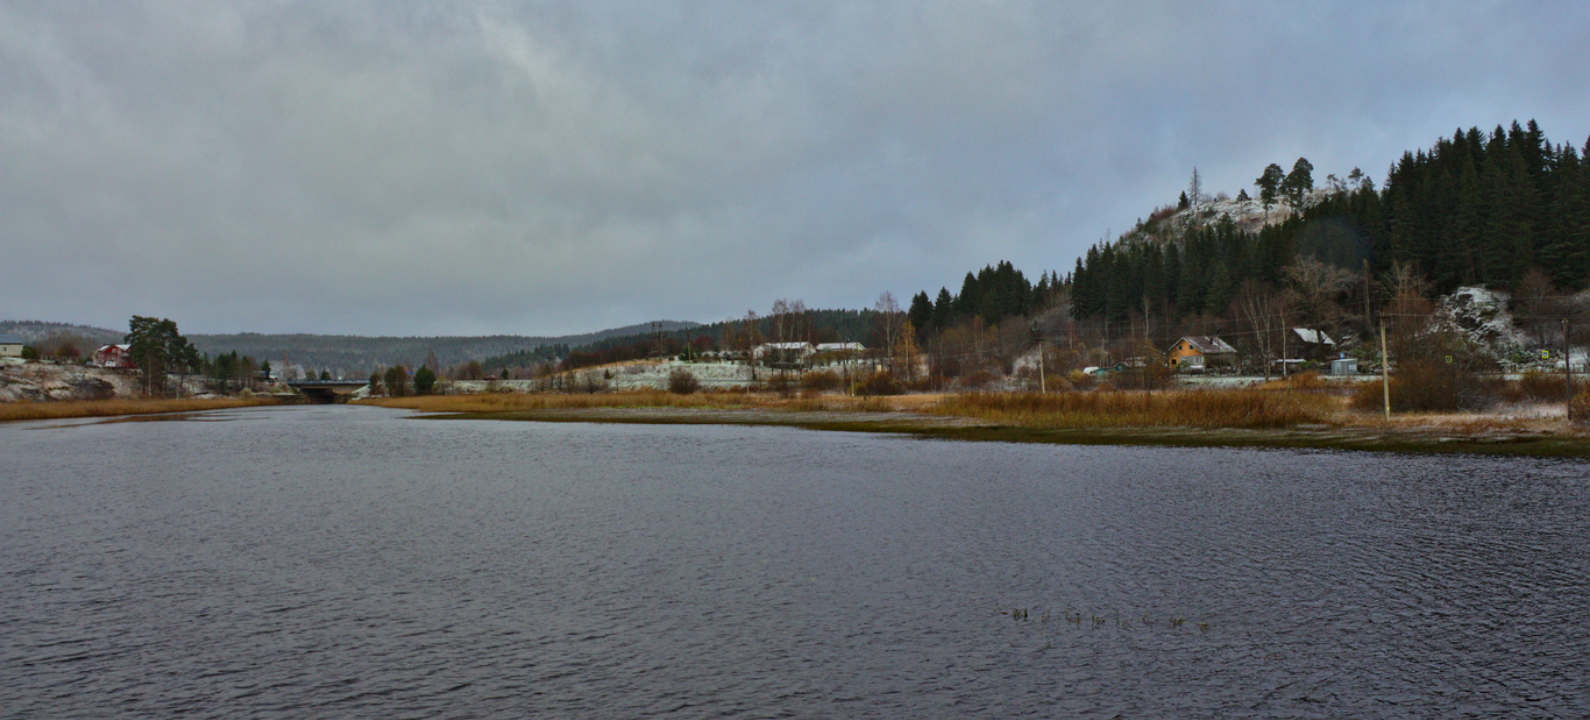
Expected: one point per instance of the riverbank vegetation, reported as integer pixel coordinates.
(63, 409)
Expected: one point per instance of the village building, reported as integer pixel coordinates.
(1197, 353)
(11, 346)
(834, 353)
(114, 356)
(787, 354)
(1308, 344)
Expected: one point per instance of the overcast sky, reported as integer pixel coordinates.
(541, 168)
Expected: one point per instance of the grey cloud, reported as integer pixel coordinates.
(449, 167)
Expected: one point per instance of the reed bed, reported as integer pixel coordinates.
(515, 402)
(717, 400)
(1238, 408)
(56, 410)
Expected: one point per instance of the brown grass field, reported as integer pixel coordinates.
(109, 408)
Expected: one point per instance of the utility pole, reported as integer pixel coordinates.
(1043, 382)
(1567, 365)
(1385, 371)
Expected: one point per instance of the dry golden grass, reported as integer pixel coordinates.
(712, 400)
(1240, 408)
(108, 408)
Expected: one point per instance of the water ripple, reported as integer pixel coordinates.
(350, 562)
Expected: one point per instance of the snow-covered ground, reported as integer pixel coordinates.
(36, 382)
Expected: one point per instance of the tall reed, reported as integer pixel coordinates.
(60, 409)
(1238, 408)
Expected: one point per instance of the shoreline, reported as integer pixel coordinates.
(1437, 440)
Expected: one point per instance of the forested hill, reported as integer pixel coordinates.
(356, 356)
(1476, 209)
(349, 355)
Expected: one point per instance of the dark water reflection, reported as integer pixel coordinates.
(347, 562)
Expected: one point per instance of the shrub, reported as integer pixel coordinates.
(1429, 387)
(683, 382)
(1547, 387)
(882, 382)
(821, 380)
(978, 380)
(1579, 407)
(1148, 378)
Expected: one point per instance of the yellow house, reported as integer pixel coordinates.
(1194, 353)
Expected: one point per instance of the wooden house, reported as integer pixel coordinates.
(1309, 344)
(114, 356)
(1196, 353)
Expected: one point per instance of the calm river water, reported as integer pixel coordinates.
(354, 562)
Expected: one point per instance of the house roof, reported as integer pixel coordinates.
(1208, 344)
(835, 347)
(1313, 337)
(8, 339)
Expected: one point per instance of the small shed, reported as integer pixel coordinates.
(1344, 366)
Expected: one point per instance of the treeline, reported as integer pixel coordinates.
(993, 294)
(1483, 209)
(787, 321)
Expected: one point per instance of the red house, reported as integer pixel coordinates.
(114, 356)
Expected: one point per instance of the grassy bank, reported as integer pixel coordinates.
(55, 410)
(1276, 415)
(493, 403)
(1241, 408)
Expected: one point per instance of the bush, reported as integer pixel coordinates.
(1429, 387)
(1147, 378)
(882, 382)
(1546, 387)
(821, 380)
(1579, 407)
(979, 380)
(683, 382)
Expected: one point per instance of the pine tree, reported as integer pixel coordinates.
(1270, 184)
(1299, 182)
(921, 313)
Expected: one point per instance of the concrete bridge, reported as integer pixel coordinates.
(326, 392)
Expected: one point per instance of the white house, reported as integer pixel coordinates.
(788, 353)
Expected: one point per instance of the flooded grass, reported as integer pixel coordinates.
(58, 410)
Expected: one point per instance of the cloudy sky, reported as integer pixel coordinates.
(388, 167)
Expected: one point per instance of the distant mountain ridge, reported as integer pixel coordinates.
(345, 355)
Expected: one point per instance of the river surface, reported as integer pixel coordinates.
(356, 562)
